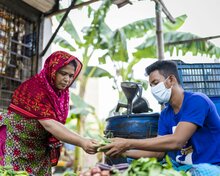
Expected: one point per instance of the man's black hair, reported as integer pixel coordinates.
(73, 63)
(165, 68)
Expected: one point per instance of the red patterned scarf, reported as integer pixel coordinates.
(38, 97)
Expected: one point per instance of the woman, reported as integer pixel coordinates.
(37, 112)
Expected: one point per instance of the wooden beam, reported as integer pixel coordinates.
(42, 5)
(75, 7)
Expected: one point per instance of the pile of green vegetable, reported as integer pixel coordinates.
(150, 167)
(8, 171)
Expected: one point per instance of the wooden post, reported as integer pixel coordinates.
(159, 31)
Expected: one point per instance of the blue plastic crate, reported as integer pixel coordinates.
(200, 77)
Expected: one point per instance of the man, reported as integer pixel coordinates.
(188, 128)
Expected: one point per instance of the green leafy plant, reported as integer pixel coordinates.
(150, 167)
(69, 173)
(8, 171)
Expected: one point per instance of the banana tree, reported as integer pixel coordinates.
(114, 43)
(119, 39)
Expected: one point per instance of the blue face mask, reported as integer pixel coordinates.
(161, 93)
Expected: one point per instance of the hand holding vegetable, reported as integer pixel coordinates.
(103, 142)
(116, 147)
(90, 146)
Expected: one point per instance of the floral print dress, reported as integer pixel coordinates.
(26, 145)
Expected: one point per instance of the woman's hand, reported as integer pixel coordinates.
(116, 147)
(90, 146)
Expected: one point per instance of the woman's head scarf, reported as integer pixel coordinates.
(38, 97)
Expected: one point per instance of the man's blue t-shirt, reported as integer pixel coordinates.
(204, 145)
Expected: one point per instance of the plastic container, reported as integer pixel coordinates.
(135, 126)
(200, 77)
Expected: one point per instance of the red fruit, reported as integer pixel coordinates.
(97, 174)
(105, 173)
(95, 170)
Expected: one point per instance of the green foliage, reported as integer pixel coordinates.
(69, 27)
(96, 72)
(69, 173)
(92, 34)
(118, 47)
(148, 48)
(151, 167)
(169, 26)
(196, 47)
(80, 106)
(8, 171)
(140, 28)
(114, 43)
(63, 43)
